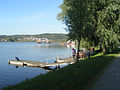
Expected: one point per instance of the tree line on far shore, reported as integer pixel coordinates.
(33, 38)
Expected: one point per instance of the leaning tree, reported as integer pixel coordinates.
(75, 15)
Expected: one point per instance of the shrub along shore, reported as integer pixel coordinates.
(70, 77)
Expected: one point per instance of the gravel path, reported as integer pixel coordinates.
(110, 80)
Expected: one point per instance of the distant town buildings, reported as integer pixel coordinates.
(70, 42)
(26, 39)
(43, 40)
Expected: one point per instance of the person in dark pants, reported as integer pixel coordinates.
(73, 53)
(89, 54)
(17, 58)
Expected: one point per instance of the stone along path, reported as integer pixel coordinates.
(110, 80)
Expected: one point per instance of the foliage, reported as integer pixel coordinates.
(94, 21)
(74, 15)
(108, 25)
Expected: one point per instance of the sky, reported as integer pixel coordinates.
(30, 17)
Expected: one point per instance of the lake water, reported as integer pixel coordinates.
(10, 75)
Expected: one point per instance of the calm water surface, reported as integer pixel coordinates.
(10, 75)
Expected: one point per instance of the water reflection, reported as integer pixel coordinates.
(16, 66)
(32, 45)
(51, 68)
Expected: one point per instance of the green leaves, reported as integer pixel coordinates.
(93, 20)
(108, 27)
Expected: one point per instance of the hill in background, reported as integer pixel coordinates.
(33, 38)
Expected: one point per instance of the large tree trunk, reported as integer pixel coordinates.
(78, 49)
(104, 49)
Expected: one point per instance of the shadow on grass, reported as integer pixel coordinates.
(117, 51)
(70, 77)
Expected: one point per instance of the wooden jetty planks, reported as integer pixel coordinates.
(65, 60)
(27, 63)
(40, 64)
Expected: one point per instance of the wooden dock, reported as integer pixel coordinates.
(41, 64)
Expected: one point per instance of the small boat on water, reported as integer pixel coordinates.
(44, 41)
(38, 41)
(62, 44)
(47, 41)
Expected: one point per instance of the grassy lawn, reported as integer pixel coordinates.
(70, 77)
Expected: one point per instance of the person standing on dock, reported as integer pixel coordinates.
(17, 58)
(73, 53)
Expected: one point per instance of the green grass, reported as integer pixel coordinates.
(70, 77)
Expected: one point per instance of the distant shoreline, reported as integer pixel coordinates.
(33, 38)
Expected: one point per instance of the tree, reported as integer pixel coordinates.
(74, 15)
(107, 23)
(104, 21)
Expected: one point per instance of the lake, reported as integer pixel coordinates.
(10, 75)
